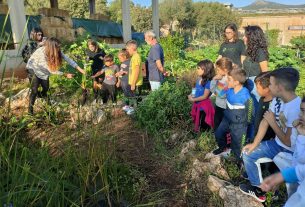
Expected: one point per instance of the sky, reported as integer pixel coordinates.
(236, 3)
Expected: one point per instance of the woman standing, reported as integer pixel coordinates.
(232, 48)
(45, 61)
(96, 54)
(256, 54)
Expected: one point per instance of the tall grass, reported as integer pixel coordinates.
(86, 174)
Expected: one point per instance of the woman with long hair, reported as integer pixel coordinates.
(45, 61)
(96, 54)
(232, 47)
(256, 54)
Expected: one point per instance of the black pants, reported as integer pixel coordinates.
(203, 125)
(218, 116)
(35, 83)
(108, 91)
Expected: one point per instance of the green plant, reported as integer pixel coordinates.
(173, 46)
(164, 108)
(282, 57)
(272, 37)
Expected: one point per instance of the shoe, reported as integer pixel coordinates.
(130, 111)
(225, 153)
(253, 191)
(125, 108)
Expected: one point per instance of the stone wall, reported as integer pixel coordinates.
(281, 22)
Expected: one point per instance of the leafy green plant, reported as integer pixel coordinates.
(164, 108)
(272, 37)
(173, 46)
(282, 57)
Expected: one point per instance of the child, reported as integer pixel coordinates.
(135, 78)
(262, 82)
(283, 111)
(202, 109)
(108, 86)
(97, 55)
(219, 86)
(296, 173)
(45, 61)
(236, 116)
(123, 76)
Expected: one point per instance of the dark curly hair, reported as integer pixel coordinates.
(256, 40)
(209, 72)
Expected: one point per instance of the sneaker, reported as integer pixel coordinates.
(225, 153)
(130, 111)
(125, 108)
(253, 191)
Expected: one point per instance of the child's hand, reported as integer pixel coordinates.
(248, 149)
(133, 87)
(217, 77)
(117, 84)
(271, 182)
(190, 98)
(269, 116)
(69, 75)
(298, 124)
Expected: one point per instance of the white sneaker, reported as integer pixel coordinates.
(226, 153)
(130, 111)
(125, 108)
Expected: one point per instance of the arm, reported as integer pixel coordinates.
(283, 136)
(242, 58)
(264, 66)
(136, 72)
(200, 98)
(98, 74)
(72, 63)
(262, 129)
(160, 66)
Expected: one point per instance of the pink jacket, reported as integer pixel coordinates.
(209, 110)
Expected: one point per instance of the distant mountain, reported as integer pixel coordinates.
(262, 4)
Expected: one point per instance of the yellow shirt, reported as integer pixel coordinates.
(135, 61)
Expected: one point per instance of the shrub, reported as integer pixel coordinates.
(165, 108)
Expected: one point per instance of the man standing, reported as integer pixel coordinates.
(155, 61)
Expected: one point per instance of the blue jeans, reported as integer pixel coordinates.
(155, 85)
(266, 149)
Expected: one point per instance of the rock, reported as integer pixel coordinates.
(88, 113)
(213, 166)
(231, 194)
(2, 99)
(187, 147)
(21, 95)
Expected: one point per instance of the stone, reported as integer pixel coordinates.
(231, 194)
(187, 148)
(2, 99)
(88, 113)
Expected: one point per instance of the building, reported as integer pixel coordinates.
(290, 26)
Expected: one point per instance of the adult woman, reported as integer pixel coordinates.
(232, 47)
(45, 61)
(256, 54)
(35, 41)
(96, 54)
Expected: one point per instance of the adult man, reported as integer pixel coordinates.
(155, 61)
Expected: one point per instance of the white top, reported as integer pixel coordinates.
(285, 114)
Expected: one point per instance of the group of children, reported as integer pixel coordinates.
(234, 115)
(108, 76)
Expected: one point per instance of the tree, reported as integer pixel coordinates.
(211, 18)
(141, 18)
(181, 11)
